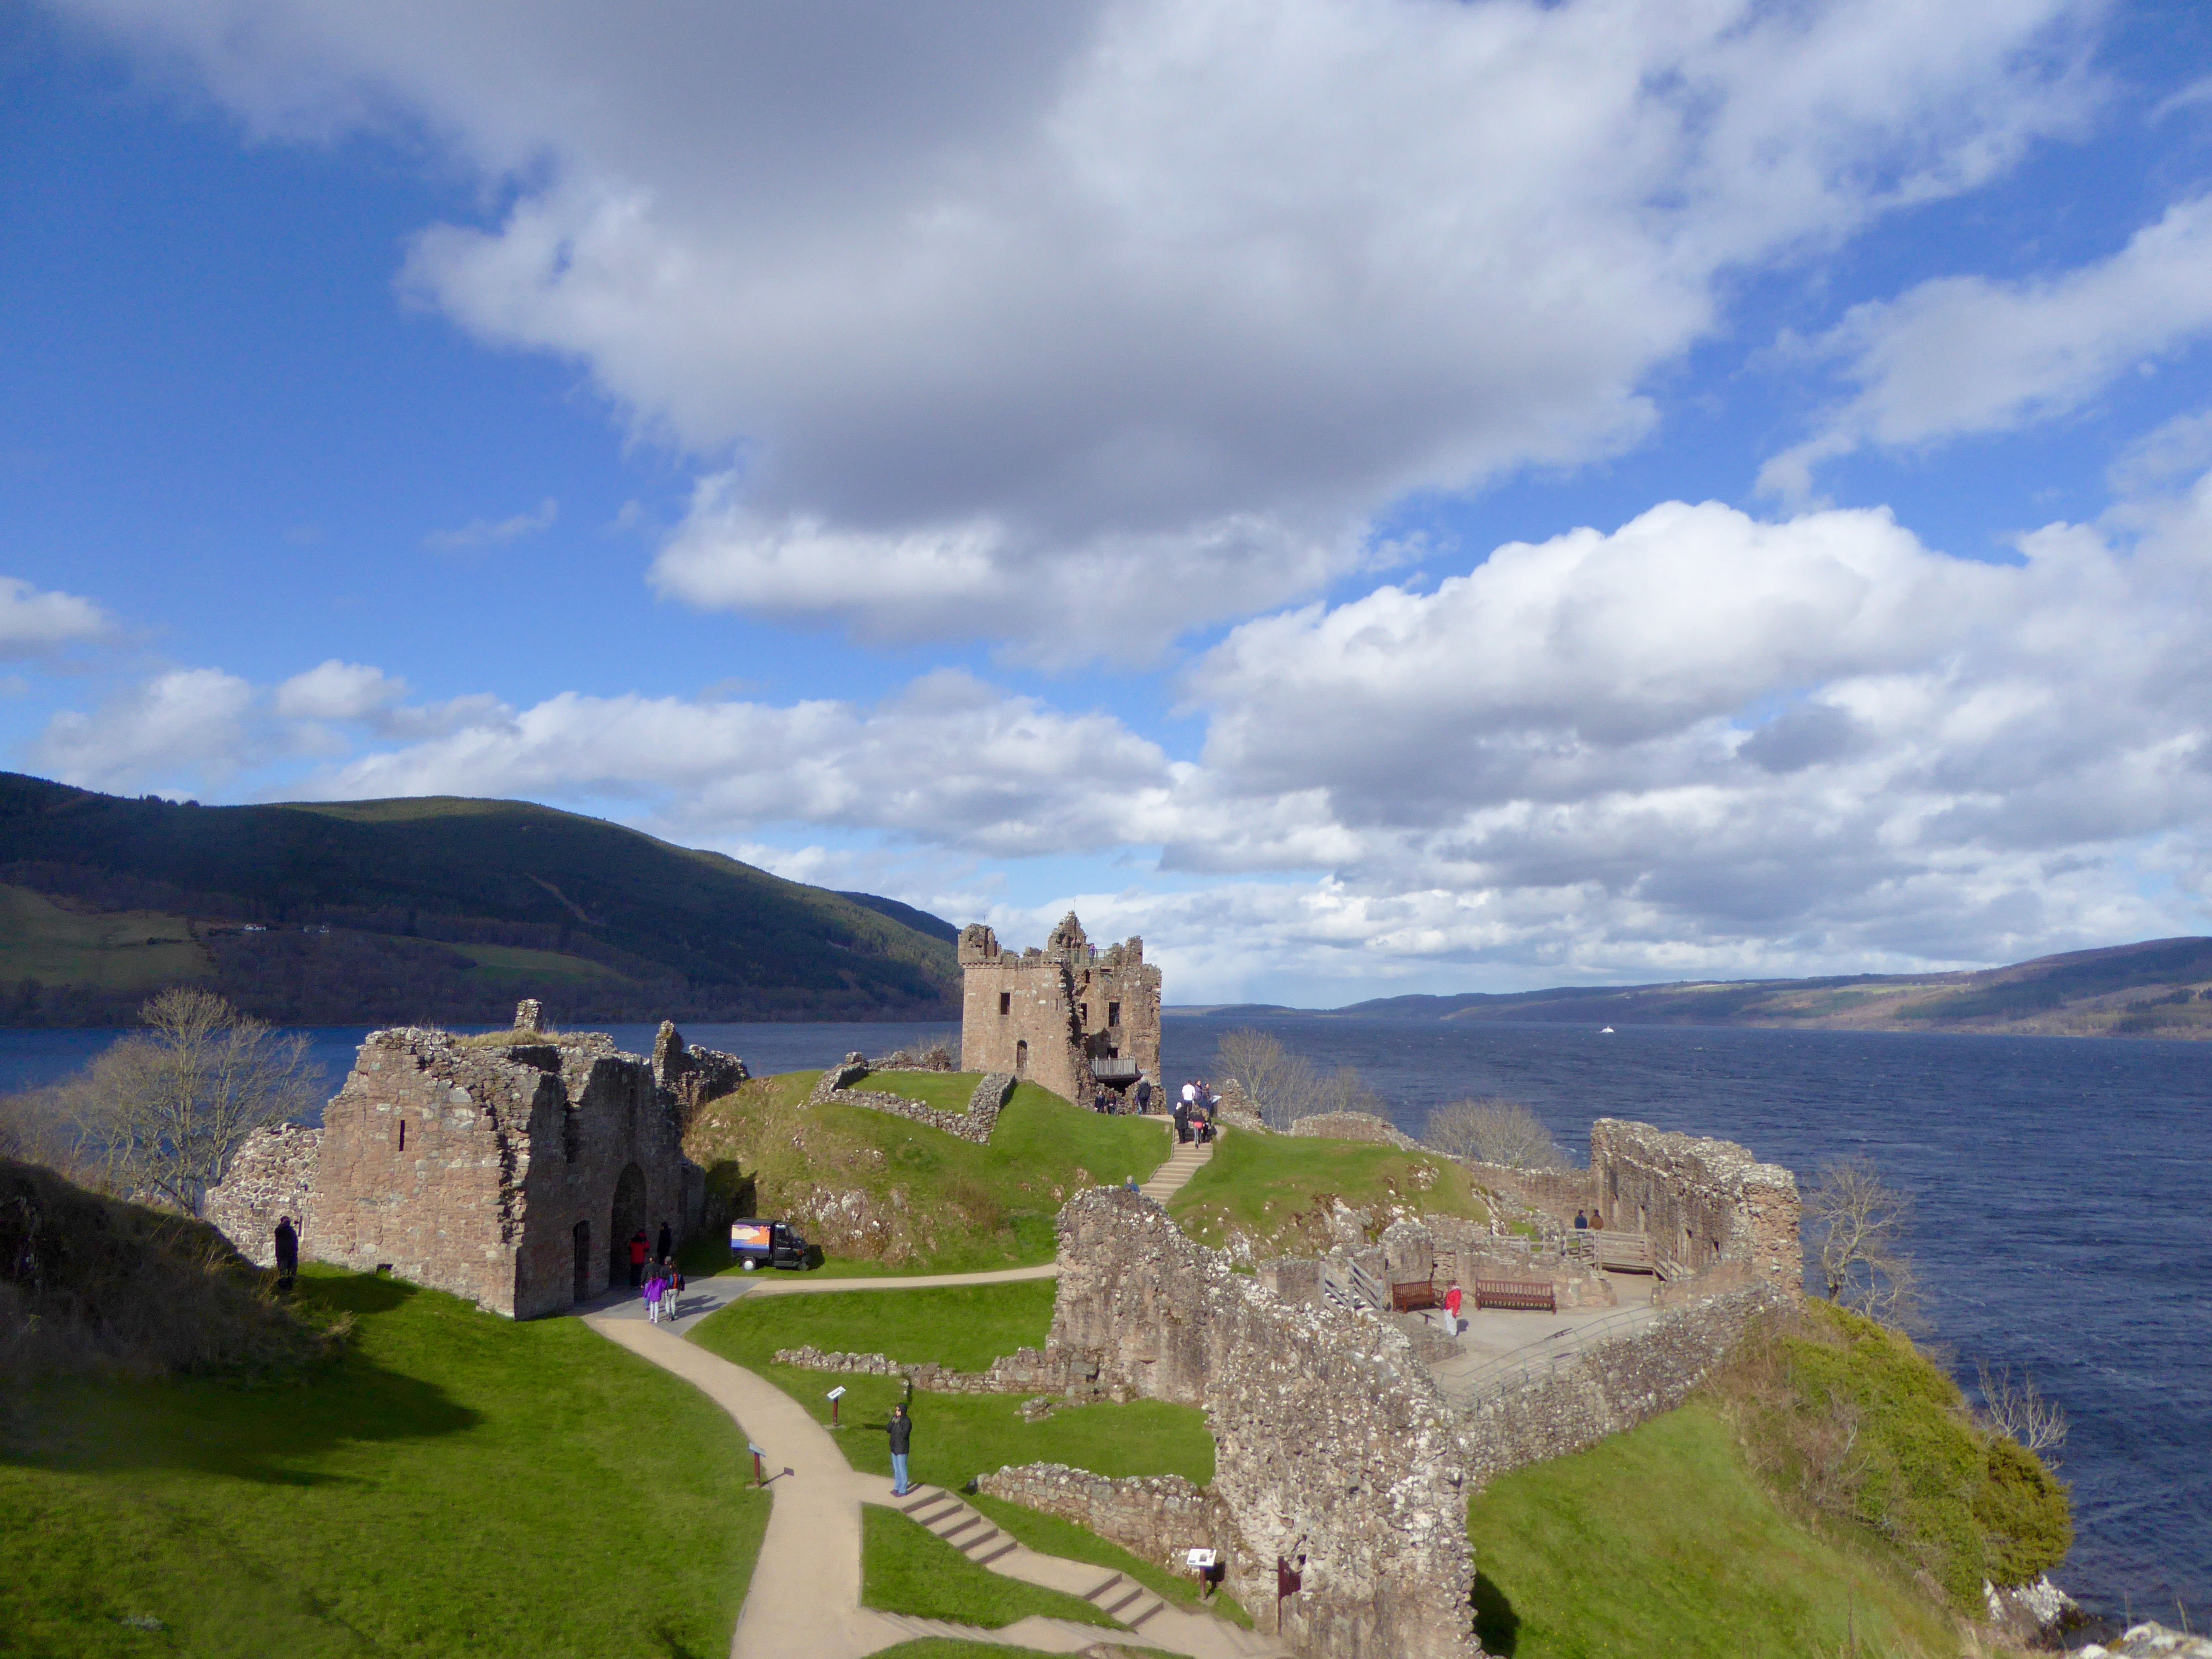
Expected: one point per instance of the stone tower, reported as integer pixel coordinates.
(1069, 1017)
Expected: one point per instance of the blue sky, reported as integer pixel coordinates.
(1377, 496)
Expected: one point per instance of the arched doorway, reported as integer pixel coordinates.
(583, 1287)
(1022, 1058)
(628, 1216)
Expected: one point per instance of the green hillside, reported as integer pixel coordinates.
(437, 908)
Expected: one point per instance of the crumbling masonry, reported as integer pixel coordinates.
(1069, 1017)
(512, 1174)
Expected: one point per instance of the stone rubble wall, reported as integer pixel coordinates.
(1156, 1518)
(1609, 1387)
(1557, 1195)
(1026, 1370)
(1332, 1440)
(693, 1076)
(1702, 1201)
(273, 1174)
(976, 1124)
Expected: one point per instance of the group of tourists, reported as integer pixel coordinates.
(654, 1274)
(1194, 1112)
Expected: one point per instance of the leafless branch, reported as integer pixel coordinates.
(1495, 1132)
(2017, 1408)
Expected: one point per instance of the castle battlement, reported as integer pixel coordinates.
(1070, 1016)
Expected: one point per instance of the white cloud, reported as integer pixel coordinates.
(488, 532)
(1141, 309)
(335, 691)
(1965, 355)
(188, 722)
(35, 622)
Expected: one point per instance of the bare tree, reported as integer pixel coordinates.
(2019, 1408)
(39, 1127)
(1280, 1085)
(166, 1108)
(1495, 1132)
(1857, 1228)
(1345, 1091)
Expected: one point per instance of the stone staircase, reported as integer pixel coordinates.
(1171, 1176)
(1118, 1596)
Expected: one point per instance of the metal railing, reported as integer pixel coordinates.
(1534, 1361)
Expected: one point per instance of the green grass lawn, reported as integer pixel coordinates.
(945, 1205)
(948, 1091)
(1658, 1544)
(1274, 1190)
(41, 940)
(1050, 1535)
(958, 1437)
(963, 1327)
(456, 1485)
(905, 1568)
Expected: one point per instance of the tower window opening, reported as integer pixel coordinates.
(1006, 1002)
(1113, 1013)
(403, 1134)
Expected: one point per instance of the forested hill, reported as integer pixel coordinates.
(2159, 987)
(437, 909)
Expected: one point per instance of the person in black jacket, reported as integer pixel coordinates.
(902, 1438)
(288, 1251)
(667, 1244)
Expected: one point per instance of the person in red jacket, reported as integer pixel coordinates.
(1451, 1309)
(639, 1248)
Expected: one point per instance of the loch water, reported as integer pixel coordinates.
(2062, 1185)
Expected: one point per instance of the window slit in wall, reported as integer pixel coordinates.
(1006, 1002)
(1113, 1013)
(403, 1134)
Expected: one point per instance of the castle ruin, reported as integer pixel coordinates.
(511, 1172)
(1069, 1017)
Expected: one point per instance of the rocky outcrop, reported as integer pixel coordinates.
(2150, 1641)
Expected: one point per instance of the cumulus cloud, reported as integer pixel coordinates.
(479, 533)
(1143, 307)
(36, 621)
(1965, 354)
(186, 723)
(335, 691)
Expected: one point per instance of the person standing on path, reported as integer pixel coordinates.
(288, 1253)
(667, 1244)
(1182, 1122)
(902, 1438)
(638, 1251)
(654, 1287)
(1451, 1309)
(1143, 1094)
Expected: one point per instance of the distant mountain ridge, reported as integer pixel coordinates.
(2159, 987)
(438, 909)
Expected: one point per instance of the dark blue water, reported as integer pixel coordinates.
(2063, 1186)
(2063, 1193)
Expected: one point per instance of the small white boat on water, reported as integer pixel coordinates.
(1607, 1032)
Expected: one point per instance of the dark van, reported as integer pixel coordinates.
(767, 1244)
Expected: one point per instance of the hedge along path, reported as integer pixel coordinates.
(805, 1601)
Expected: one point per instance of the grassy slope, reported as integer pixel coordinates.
(905, 1568)
(957, 1437)
(1274, 1191)
(1051, 1535)
(648, 908)
(947, 1205)
(458, 1484)
(962, 1327)
(42, 940)
(1659, 1543)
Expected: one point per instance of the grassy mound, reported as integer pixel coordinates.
(961, 1327)
(868, 1187)
(453, 1484)
(87, 1283)
(956, 1437)
(1855, 1422)
(905, 1568)
(1661, 1544)
(1267, 1195)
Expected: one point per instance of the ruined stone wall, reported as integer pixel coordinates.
(1331, 1439)
(693, 1076)
(1046, 1015)
(471, 1169)
(1025, 1371)
(976, 1124)
(1156, 1518)
(1702, 1201)
(1607, 1387)
(271, 1175)
(1558, 1193)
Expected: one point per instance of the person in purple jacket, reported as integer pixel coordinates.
(654, 1284)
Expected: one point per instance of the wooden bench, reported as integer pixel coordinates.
(1531, 1295)
(1413, 1295)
